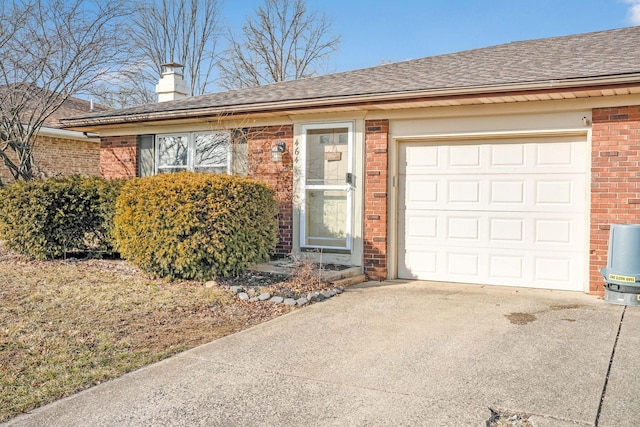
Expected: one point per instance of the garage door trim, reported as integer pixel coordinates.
(481, 137)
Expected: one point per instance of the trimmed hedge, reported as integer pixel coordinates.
(47, 219)
(195, 226)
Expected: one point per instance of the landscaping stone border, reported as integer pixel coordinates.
(251, 295)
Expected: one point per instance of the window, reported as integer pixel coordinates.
(211, 152)
(172, 152)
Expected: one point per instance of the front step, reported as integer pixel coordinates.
(360, 278)
(332, 276)
(328, 276)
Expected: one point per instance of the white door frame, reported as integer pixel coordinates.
(347, 187)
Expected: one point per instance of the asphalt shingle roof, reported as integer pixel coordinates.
(581, 56)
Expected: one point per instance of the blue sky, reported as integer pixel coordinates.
(374, 31)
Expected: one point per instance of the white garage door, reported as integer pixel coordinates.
(494, 212)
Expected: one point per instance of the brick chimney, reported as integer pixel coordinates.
(172, 85)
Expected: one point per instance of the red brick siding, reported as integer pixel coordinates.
(615, 181)
(278, 175)
(119, 156)
(376, 198)
(61, 157)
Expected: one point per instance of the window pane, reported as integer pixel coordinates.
(212, 151)
(326, 218)
(172, 151)
(327, 156)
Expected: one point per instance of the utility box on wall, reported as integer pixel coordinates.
(622, 273)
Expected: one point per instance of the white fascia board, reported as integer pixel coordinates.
(68, 134)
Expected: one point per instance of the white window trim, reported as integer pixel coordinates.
(346, 187)
(191, 151)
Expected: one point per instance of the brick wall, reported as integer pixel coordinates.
(61, 157)
(278, 175)
(375, 198)
(615, 181)
(119, 156)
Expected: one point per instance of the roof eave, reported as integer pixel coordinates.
(351, 100)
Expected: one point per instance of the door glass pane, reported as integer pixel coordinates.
(327, 156)
(172, 152)
(211, 152)
(326, 218)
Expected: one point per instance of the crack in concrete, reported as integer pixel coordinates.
(606, 379)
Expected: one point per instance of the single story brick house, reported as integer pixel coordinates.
(62, 152)
(504, 165)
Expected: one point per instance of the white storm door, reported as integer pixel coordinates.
(494, 212)
(326, 196)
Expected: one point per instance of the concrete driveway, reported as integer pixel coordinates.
(391, 354)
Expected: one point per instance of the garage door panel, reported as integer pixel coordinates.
(499, 230)
(419, 262)
(466, 192)
(464, 156)
(562, 192)
(495, 192)
(463, 264)
(422, 226)
(422, 157)
(506, 230)
(511, 155)
(504, 213)
(504, 192)
(421, 191)
(507, 269)
(463, 228)
(561, 157)
(501, 156)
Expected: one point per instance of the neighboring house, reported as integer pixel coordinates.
(504, 165)
(60, 152)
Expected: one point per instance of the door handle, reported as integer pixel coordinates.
(348, 178)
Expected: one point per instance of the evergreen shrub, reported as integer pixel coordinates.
(195, 226)
(51, 218)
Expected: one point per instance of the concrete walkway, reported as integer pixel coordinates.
(391, 354)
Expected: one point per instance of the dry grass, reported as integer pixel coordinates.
(65, 325)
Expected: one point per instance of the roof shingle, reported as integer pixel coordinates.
(575, 57)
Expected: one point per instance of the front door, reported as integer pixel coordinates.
(326, 189)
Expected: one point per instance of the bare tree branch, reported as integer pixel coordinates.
(284, 41)
(164, 31)
(50, 50)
